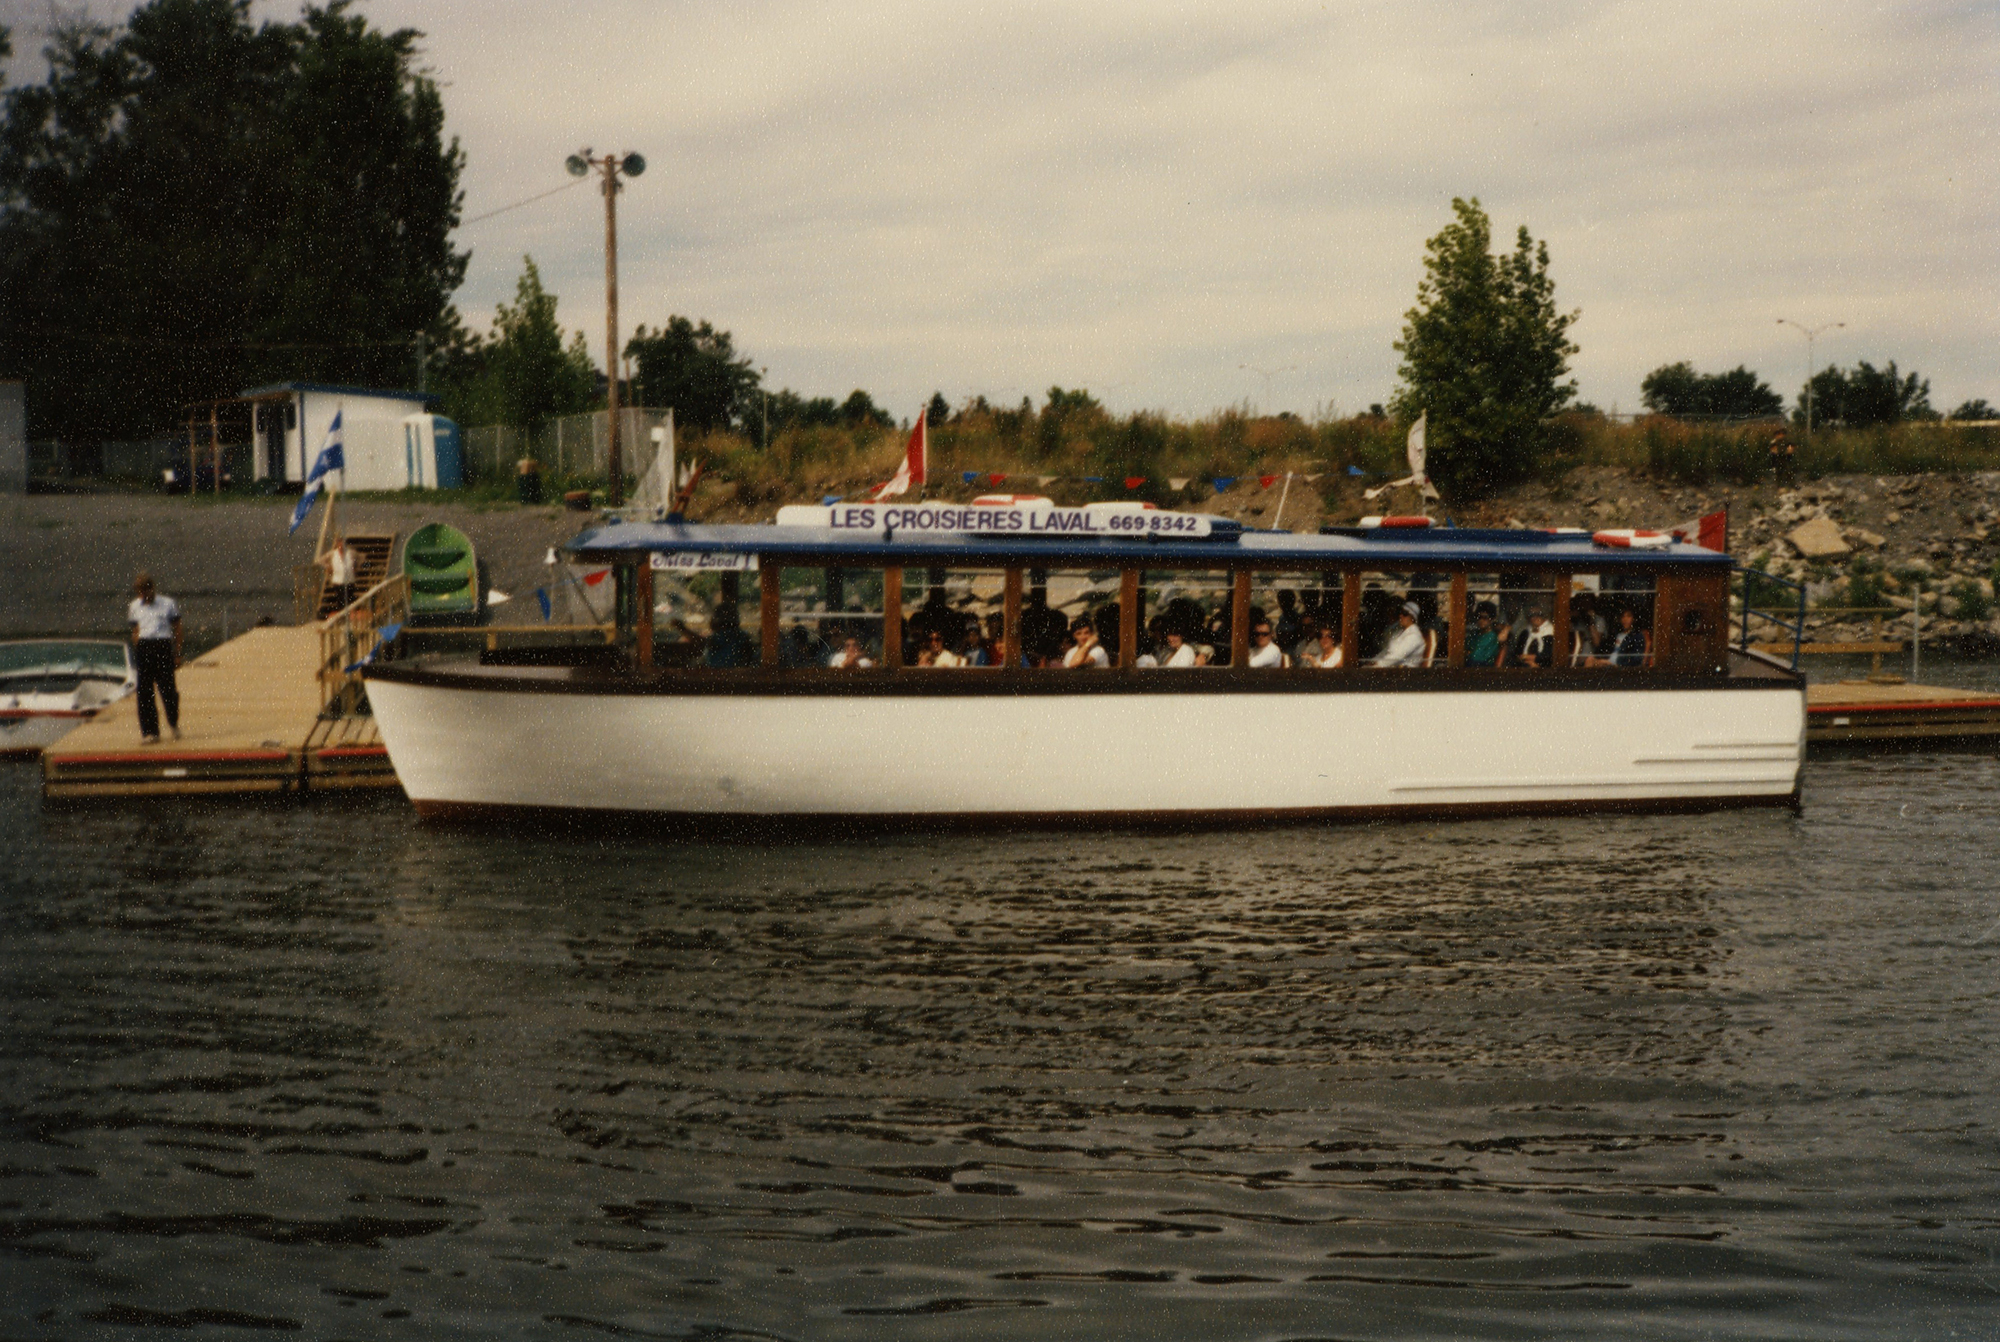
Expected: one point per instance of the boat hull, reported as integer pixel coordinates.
(1105, 758)
(26, 733)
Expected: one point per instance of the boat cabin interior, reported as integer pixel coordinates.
(757, 601)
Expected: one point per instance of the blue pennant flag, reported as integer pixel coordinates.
(828, 500)
(542, 595)
(1356, 470)
(1223, 482)
(970, 477)
(1093, 479)
(330, 459)
(387, 633)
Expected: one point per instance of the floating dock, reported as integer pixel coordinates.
(1885, 713)
(250, 723)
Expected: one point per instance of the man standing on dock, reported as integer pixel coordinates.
(155, 622)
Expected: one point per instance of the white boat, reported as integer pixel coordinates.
(49, 687)
(674, 729)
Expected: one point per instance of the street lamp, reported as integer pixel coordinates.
(1811, 333)
(612, 166)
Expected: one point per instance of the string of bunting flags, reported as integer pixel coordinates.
(1221, 483)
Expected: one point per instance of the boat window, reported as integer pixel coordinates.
(1383, 599)
(1190, 604)
(1297, 606)
(1053, 600)
(1500, 616)
(1599, 633)
(821, 609)
(705, 619)
(961, 607)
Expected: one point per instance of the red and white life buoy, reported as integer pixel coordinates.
(1632, 540)
(1370, 523)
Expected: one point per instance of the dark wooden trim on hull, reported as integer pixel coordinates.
(736, 826)
(883, 683)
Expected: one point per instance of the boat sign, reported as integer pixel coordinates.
(687, 561)
(919, 519)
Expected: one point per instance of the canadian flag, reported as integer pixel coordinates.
(911, 472)
(1710, 532)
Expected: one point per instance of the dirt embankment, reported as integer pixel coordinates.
(66, 561)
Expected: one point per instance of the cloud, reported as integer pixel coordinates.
(1144, 198)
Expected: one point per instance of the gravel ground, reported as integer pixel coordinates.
(67, 560)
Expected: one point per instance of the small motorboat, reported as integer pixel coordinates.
(50, 686)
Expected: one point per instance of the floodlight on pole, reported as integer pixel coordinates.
(612, 166)
(1811, 333)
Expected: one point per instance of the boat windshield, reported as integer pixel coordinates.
(74, 661)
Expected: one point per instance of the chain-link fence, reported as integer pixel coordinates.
(573, 447)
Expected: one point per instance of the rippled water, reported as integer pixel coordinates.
(323, 1068)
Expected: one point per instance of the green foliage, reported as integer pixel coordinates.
(1677, 389)
(1977, 409)
(1695, 455)
(694, 369)
(1485, 353)
(196, 203)
(1866, 396)
(938, 411)
(1973, 604)
(1864, 582)
(533, 377)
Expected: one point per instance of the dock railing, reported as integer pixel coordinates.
(1763, 597)
(351, 635)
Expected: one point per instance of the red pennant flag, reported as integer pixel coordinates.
(1134, 481)
(1267, 480)
(996, 479)
(592, 579)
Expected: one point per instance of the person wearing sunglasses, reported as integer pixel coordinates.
(1265, 654)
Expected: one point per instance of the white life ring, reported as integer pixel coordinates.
(1370, 523)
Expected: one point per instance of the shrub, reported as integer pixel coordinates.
(1973, 604)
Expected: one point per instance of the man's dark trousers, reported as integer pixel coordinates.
(156, 669)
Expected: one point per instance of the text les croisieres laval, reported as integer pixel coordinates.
(975, 520)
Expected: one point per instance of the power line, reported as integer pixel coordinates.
(543, 195)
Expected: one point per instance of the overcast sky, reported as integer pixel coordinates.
(1183, 207)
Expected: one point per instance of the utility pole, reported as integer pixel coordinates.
(1811, 333)
(764, 385)
(612, 166)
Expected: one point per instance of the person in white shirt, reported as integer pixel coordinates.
(1324, 652)
(1265, 654)
(1179, 652)
(1085, 650)
(1405, 646)
(339, 562)
(850, 657)
(155, 623)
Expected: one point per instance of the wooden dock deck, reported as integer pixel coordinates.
(250, 723)
(1865, 712)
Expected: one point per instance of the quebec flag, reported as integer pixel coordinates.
(330, 459)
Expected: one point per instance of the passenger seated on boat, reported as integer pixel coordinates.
(850, 657)
(1587, 634)
(1323, 654)
(1631, 646)
(1290, 628)
(1535, 645)
(1042, 629)
(934, 653)
(1265, 654)
(1482, 648)
(1085, 651)
(728, 646)
(1406, 644)
(972, 649)
(802, 647)
(1179, 652)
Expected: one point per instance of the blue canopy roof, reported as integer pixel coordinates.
(1391, 549)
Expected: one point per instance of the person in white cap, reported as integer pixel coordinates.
(1406, 646)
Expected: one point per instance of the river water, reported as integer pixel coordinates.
(321, 1068)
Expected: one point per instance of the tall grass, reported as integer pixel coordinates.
(1018, 445)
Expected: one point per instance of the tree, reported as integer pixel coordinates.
(1485, 353)
(190, 203)
(1677, 389)
(694, 369)
(1977, 409)
(533, 376)
(1866, 396)
(938, 411)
